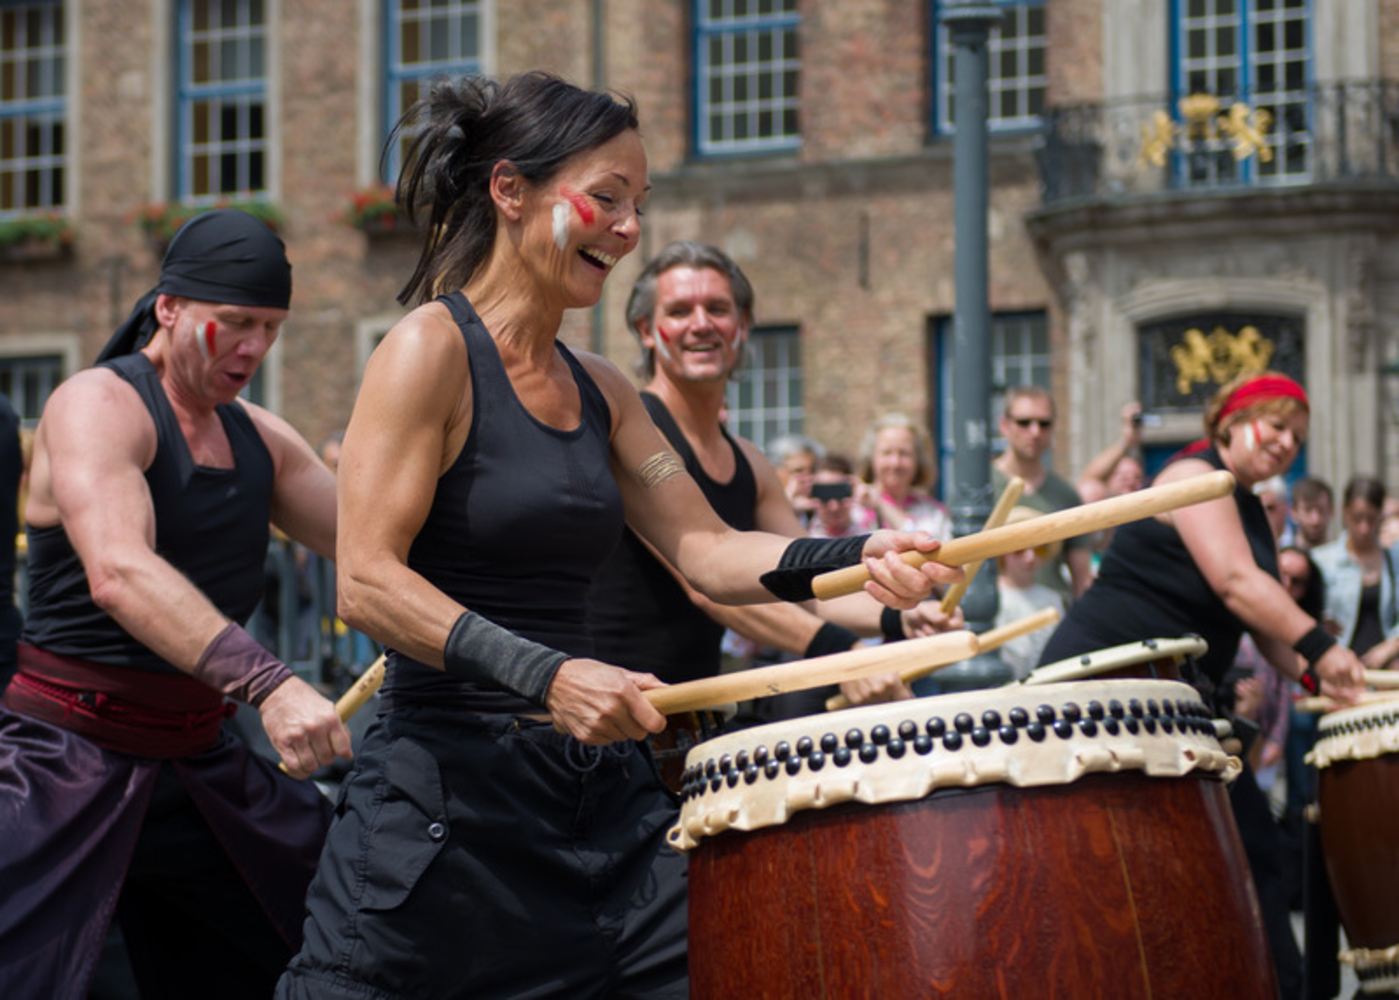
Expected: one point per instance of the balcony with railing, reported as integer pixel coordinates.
(1330, 135)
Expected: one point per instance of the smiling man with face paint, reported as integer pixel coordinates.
(691, 310)
(120, 792)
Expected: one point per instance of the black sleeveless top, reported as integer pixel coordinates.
(519, 524)
(1149, 587)
(210, 524)
(639, 615)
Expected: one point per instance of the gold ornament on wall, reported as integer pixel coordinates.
(1204, 119)
(1218, 357)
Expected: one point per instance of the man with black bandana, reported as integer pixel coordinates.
(121, 793)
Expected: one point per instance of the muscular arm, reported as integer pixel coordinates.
(409, 422)
(1214, 535)
(99, 494)
(672, 515)
(415, 394)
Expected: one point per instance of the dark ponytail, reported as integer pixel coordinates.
(464, 128)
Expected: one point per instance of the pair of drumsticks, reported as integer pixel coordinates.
(912, 658)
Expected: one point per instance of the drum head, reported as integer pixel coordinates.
(1115, 658)
(1358, 733)
(905, 750)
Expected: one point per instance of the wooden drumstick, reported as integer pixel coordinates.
(1382, 678)
(1323, 704)
(800, 675)
(988, 640)
(1009, 498)
(1046, 528)
(357, 693)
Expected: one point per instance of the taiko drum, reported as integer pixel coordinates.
(1357, 760)
(1071, 839)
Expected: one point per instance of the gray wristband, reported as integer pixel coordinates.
(236, 664)
(480, 650)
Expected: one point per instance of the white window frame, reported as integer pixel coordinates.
(451, 60)
(747, 61)
(248, 94)
(765, 395)
(18, 350)
(1198, 66)
(40, 113)
(1026, 47)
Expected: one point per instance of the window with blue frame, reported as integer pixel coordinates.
(33, 105)
(221, 134)
(1242, 69)
(425, 40)
(765, 396)
(747, 76)
(1015, 69)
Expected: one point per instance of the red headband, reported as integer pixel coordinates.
(1261, 389)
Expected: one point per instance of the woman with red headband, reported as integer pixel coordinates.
(1212, 570)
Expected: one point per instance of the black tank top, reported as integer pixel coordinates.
(210, 524)
(1369, 632)
(519, 524)
(639, 615)
(1149, 587)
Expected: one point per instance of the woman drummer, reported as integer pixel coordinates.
(502, 834)
(1212, 569)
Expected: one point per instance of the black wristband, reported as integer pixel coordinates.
(891, 623)
(830, 638)
(807, 558)
(480, 650)
(1314, 644)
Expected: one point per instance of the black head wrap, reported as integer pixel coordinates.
(221, 256)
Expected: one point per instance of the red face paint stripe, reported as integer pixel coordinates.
(209, 342)
(580, 204)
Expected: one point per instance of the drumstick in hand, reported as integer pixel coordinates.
(988, 640)
(1009, 498)
(1054, 527)
(357, 693)
(928, 652)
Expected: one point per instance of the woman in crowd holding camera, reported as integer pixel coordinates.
(896, 472)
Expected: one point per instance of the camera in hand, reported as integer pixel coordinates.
(831, 491)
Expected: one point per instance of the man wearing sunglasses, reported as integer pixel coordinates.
(1027, 424)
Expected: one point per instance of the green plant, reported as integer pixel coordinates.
(372, 207)
(41, 227)
(161, 220)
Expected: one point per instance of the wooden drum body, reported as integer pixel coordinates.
(1357, 760)
(1149, 658)
(1073, 840)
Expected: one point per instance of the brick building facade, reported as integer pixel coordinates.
(809, 139)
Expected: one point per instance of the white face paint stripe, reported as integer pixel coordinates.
(561, 225)
(205, 339)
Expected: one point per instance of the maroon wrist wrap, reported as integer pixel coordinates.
(237, 665)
